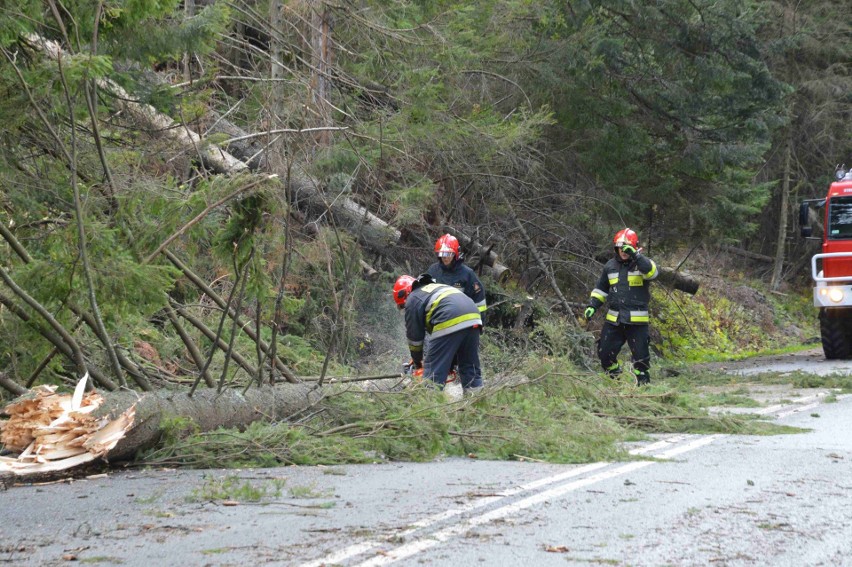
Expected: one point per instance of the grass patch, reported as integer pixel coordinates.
(156, 495)
(306, 492)
(730, 399)
(233, 487)
(546, 414)
(159, 514)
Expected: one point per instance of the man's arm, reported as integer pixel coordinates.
(647, 266)
(598, 296)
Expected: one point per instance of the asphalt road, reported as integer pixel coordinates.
(706, 500)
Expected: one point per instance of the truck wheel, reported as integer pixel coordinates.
(835, 328)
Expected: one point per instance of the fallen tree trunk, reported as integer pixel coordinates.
(369, 228)
(215, 158)
(678, 280)
(207, 411)
(488, 259)
(748, 254)
(305, 195)
(61, 435)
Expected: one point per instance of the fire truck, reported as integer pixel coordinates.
(832, 268)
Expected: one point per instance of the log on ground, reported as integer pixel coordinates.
(207, 410)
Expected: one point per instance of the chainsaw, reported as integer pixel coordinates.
(410, 369)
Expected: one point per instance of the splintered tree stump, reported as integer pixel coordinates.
(53, 432)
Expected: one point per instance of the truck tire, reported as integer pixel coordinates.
(835, 326)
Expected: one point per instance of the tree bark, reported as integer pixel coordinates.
(207, 409)
(778, 266)
(321, 63)
(11, 386)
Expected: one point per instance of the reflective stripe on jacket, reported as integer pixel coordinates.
(437, 310)
(624, 285)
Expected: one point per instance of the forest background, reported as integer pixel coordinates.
(220, 194)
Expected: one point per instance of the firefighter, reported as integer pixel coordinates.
(451, 270)
(452, 322)
(624, 285)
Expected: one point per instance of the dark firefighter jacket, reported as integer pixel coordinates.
(625, 286)
(438, 310)
(460, 277)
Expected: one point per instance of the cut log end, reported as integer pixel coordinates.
(53, 432)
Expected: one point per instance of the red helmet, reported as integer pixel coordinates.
(401, 289)
(446, 245)
(625, 236)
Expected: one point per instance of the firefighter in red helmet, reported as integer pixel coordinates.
(452, 323)
(451, 270)
(624, 286)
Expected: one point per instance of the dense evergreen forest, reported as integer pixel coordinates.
(217, 194)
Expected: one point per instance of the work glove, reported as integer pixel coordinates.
(629, 250)
(418, 373)
(589, 313)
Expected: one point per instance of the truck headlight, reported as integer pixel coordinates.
(836, 294)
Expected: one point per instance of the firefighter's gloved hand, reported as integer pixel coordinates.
(418, 372)
(629, 250)
(589, 313)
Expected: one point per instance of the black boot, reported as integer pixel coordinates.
(643, 378)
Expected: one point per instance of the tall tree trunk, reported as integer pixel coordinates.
(273, 144)
(321, 63)
(782, 216)
(189, 10)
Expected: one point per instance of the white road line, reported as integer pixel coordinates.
(798, 409)
(363, 547)
(344, 554)
(778, 407)
(434, 538)
(428, 521)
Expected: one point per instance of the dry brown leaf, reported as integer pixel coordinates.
(556, 548)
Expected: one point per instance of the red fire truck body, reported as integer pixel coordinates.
(832, 269)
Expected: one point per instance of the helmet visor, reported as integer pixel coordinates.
(446, 254)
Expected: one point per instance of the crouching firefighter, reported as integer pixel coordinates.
(452, 321)
(624, 285)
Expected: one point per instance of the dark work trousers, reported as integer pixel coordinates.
(463, 346)
(637, 338)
